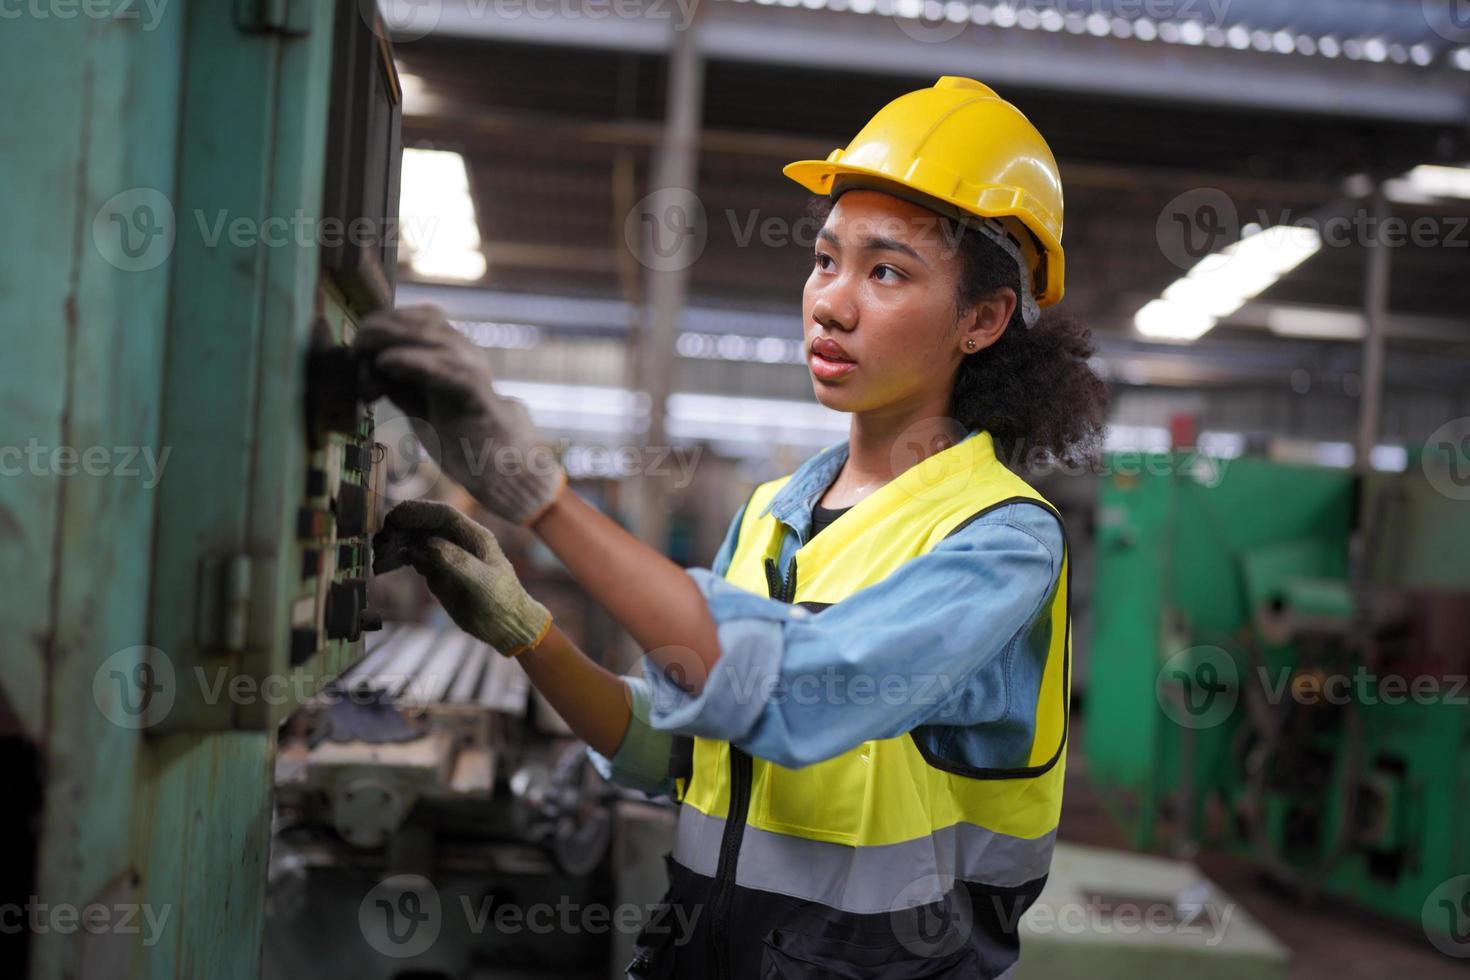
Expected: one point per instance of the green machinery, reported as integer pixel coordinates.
(199, 195)
(1279, 668)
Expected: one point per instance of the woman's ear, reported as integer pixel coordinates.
(984, 323)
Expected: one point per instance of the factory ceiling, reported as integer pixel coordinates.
(1239, 125)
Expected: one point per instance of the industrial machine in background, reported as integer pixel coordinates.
(432, 779)
(1279, 669)
(210, 195)
(431, 762)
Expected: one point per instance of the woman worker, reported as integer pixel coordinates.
(870, 685)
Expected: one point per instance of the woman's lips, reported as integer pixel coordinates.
(829, 370)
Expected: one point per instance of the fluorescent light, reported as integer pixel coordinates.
(1137, 438)
(1211, 296)
(416, 97)
(1436, 181)
(1222, 445)
(768, 420)
(1315, 324)
(437, 216)
(580, 408)
(1339, 454)
(1392, 459)
(1221, 283)
(1164, 320)
(493, 333)
(724, 419)
(732, 347)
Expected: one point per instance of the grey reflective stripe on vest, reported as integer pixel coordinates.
(865, 880)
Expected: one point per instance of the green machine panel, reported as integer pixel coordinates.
(1260, 629)
(189, 482)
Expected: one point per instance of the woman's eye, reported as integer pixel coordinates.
(817, 258)
(888, 268)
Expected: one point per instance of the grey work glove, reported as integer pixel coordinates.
(441, 380)
(467, 572)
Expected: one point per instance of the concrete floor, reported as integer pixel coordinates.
(1328, 941)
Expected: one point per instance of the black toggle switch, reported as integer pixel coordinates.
(346, 601)
(351, 507)
(331, 386)
(303, 645)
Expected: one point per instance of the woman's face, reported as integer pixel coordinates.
(880, 301)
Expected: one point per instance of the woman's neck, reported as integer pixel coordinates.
(879, 448)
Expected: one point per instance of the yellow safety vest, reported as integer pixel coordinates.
(884, 827)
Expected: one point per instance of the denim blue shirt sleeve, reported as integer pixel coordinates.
(642, 759)
(951, 646)
(952, 643)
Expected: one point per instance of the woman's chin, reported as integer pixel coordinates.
(835, 397)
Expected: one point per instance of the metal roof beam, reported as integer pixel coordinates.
(1097, 67)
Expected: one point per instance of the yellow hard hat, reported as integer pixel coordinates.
(963, 145)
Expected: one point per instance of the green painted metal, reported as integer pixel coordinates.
(132, 341)
(1237, 575)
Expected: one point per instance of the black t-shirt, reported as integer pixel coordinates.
(822, 516)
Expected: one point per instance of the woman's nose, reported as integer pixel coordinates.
(833, 309)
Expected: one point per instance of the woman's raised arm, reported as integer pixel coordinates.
(649, 595)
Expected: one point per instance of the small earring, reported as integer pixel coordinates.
(970, 343)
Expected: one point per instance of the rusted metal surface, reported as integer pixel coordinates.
(132, 338)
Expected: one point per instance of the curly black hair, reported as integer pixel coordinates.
(1033, 389)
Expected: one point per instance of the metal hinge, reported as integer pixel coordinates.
(223, 620)
(291, 18)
